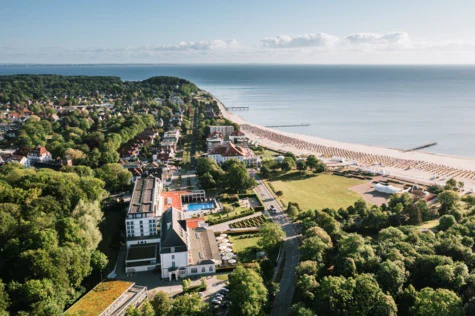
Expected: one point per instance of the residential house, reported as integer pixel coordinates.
(38, 154)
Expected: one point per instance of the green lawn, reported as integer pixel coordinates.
(430, 224)
(222, 276)
(237, 210)
(245, 248)
(316, 191)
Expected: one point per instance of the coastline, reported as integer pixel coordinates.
(423, 166)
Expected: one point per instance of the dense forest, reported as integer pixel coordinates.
(49, 220)
(376, 261)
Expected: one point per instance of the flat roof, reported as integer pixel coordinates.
(99, 298)
(142, 197)
(203, 246)
(144, 251)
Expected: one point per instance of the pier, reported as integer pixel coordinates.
(237, 108)
(421, 147)
(289, 125)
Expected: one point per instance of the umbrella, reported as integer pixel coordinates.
(227, 257)
(229, 250)
(219, 238)
(223, 235)
(223, 247)
(232, 261)
(224, 240)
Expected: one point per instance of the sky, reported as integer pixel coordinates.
(262, 31)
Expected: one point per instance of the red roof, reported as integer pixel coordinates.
(238, 133)
(193, 222)
(228, 150)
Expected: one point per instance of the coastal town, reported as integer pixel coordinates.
(192, 200)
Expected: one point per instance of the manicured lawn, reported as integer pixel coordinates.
(316, 191)
(222, 277)
(237, 211)
(430, 224)
(245, 248)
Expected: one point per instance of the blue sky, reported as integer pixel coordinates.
(319, 31)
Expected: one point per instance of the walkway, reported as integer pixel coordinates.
(283, 299)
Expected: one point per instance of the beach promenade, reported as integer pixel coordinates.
(414, 165)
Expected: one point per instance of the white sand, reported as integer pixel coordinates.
(461, 163)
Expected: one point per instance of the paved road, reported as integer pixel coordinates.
(284, 297)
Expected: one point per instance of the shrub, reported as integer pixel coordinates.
(279, 193)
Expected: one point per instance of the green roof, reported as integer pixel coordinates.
(99, 298)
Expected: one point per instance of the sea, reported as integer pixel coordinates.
(390, 106)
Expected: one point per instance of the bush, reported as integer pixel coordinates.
(279, 193)
(259, 209)
(227, 209)
(237, 204)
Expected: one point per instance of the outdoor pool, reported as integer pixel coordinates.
(200, 206)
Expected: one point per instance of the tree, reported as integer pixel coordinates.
(265, 171)
(246, 292)
(414, 216)
(189, 304)
(4, 299)
(312, 161)
(448, 201)
(353, 296)
(99, 261)
(237, 179)
(288, 164)
(270, 236)
(115, 176)
(301, 165)
(147, 309)
(392, 276)
(440, 302)
(292, 211)
(446, 222)
(161, 303)
(291, 156)
(299, 309)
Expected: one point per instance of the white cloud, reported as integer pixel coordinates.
(363, 48)
(400, 38)
(197, 46)
(320, 40)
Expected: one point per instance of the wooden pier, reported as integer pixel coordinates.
(237, 108)
(421, 147)
(289, 125)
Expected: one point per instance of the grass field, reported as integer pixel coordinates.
(314, 191)
(430, 224)
(245, 248)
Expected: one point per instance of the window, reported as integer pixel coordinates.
(173, 263)
(194, 270)
(203, 269)
(173, 256)
(211, 269)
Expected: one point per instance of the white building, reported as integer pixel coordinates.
(237, 136)
(228, 151)
(142, 220)
(186, 251)
(40, 154)
(224, 130)
(215, 139)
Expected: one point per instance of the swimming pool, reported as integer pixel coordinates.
(200, 206)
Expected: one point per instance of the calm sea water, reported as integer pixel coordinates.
(391, 106)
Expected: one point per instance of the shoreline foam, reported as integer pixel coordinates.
(457, 163)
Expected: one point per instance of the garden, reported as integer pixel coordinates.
(257, 221)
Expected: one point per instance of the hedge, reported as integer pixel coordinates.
(230, 218)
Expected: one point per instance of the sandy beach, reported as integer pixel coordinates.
(414, 165)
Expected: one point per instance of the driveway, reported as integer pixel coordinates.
(283, 299)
